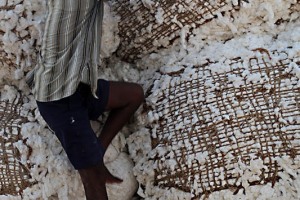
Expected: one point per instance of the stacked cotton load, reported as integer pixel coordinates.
(20, 37)
(146, 26)
(20, 33)
(222, 111)
(222, 125)
(33, 163)
(14, 169)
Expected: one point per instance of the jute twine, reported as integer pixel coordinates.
(14, 176)
(208, 130)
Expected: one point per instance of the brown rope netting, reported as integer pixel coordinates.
(212, 125)
(14, 176)
(145, 27)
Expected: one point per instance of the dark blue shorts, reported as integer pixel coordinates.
(70, 117)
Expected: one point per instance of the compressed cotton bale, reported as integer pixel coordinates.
(14, 170)
(21, 32)
(122, 168)
(117, 145)
(115, 148)
(20, 36)
(146, 26)
(110, 39)
(222, 125)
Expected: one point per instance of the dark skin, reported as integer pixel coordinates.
(124, 99)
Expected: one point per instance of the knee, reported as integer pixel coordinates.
(138, 96)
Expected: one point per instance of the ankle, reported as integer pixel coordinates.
(94, 182)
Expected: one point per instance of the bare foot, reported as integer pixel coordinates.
(94, 183)
(94, 180)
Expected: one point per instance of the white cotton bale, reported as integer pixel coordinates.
(147, 26)
(3, 2)
(192, 111)
(115, 148)
(122, 168)
(110, 39)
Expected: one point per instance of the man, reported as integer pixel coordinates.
(69, 94)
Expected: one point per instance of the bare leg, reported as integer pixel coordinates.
(93, 180)
(124, 99)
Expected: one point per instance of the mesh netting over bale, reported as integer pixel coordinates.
(146, 26)
(14, 176)
(221, 127)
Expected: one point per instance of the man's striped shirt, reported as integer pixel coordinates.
(70, 49)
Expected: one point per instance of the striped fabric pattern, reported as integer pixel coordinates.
(70, 49)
